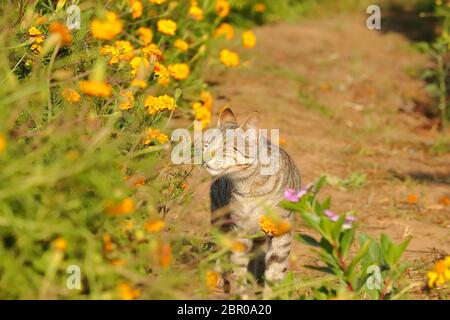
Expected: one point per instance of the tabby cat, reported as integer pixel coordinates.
(240, 194)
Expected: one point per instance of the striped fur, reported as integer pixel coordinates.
(240, 195)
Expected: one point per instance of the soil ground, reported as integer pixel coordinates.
(343, 98)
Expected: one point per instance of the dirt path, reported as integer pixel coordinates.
(341, 96)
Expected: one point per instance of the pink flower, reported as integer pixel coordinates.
(335, 217)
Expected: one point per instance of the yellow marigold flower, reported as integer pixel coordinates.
(229, 58)
(155, 134)
(124, 49)
(259, 7)
(226, 30)
(36, 48)
(248, 39)
(164, 82)
(139, 83)
(212, 280)
(60, 244)
(36, 34)
(62, 31)
(71, 95)
(96, 88)
(126, 292)
(126, 206)
(145, 35)
(139, 66)
(107, 28)
(440, 274)
(274, 228)
(202, 113)
(136, 8)
(161, 103)
(153, 52)
(154, 226)
(110, 51)
(196, 13)
(161, 71)
(167, 26)
(222, 8)
(181, 45)
(126, 99)
(2, 143)
(158, 2)
(179, 71)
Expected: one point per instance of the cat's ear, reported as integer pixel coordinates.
(226, 115)
(252, 121)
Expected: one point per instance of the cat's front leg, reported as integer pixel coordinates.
(240, 260)
(277, 259)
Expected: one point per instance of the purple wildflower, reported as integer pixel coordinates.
(335, 217)
(295, 196)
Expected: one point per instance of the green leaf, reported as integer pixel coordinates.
(346, 242)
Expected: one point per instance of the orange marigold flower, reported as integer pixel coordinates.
(161, 71)
(229, 58)
(212, 280)
(207, 99)
(225, 29)
(145, 35)
(165, 255)
(126, 100)
(445, 201)
(96, 88)
(60, 244)
(153, 52)
(139, 66)
(179, 71)
(274, 228)
(181, 45)
(155, 134)
(167, 26)
(248, 39)
(412, 198)
(259, 7)
(139, 83)
(2, 143)
(62, 31)
(126, 292)
(440, 274)
(154, 226)
(222, 8)
(136, 8)
(108, 244)
(70, 95)
(107, 28)
(158, 104)
(126, 206)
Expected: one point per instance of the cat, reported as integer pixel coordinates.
(240, 194)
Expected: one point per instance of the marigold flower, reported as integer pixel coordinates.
(412, 199)
(212, 280)
(248, 39)
(165, 255)
(259, 7)
(136, 8)
(158, 2)
(207, 99)
(96, 88)
(229, 58)
(139, 66)
(445, 201)
(222, 8)
(440, 274)
(196, 13)
(108, 244)
(167, 26)
(155, 134)
(70, 95)
(107, 28)
(181, 45)
(161, 71)
(126, 100)
(153, 52)
(126, 206)
(274, 228)
(202, 113)
(126, 292)
(59, 244)
(154, 226)
(139, 83)
(225, 29)
(158, 104)
(2, 143)
(36, 48)
(145, 35)
(36, 34)
(179, 71)
(62, 31)
(122, 50)
(41, 20)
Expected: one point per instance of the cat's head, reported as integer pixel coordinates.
(231, 147)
